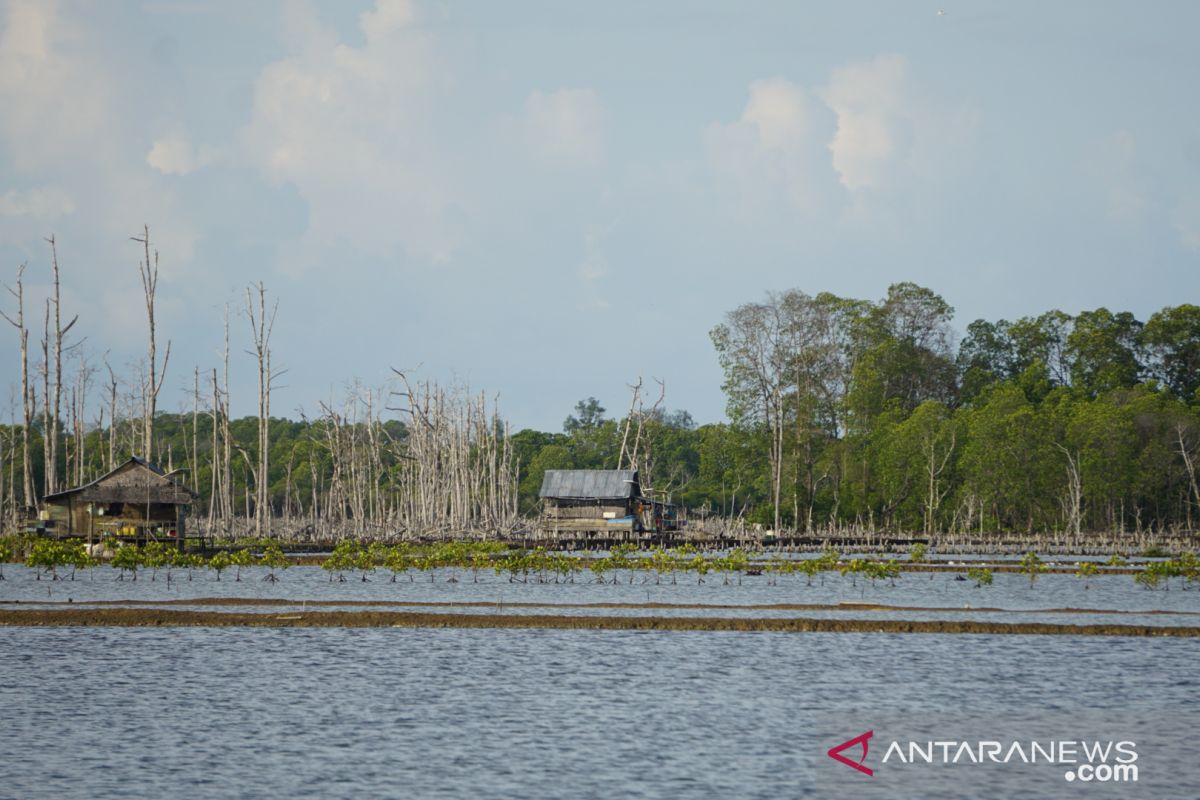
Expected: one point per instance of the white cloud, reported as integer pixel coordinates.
(387, 17)
(351, 129)
(64, 127)
(52, 103)
(873, 103)
(890, 131)
(770, 146)
(42, 202)
(565, 126)
(175, 155)
(1186, 219)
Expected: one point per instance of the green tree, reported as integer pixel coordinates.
(1102, 351)
(1171, 339)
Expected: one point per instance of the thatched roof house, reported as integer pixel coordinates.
(137, 499)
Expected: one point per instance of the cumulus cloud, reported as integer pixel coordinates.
(770, 146)
(873, 104)
(351, 129)
(871, 129)
(42, 202)
(565, 127)
(52, 103)
(175, 155)
(63, 128)
(386, 18)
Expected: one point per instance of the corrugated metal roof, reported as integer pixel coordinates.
(590, 484)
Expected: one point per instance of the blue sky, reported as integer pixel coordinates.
(546, 200)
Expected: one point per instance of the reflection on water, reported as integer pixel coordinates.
(194, 712)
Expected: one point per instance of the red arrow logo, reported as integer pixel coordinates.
(836, 752)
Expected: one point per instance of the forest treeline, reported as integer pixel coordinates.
(841, 412)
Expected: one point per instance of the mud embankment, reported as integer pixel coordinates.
(170, 617)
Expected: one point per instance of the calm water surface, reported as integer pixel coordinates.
(364, 713)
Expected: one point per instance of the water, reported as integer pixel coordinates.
(365, 713)
(927, 590)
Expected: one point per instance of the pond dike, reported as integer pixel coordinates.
(161, 617)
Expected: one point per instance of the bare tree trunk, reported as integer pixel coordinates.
(112, 414)
(154, 382)
(27, 399)
(53, 433)
(227, 452)
(48, 467)
(261, 325)
(1191, 470)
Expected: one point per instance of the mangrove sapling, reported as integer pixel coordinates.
(1115, 561)
(220, 562)
(428, 563)
(737, 561)
(699, 564)
(379, 552)
(827, 562)
(340, 560)
(6, 554)
(1032, 567)
(79, 558)
(399, 560)
(852, 568)
(273, 559)
(981, 575)
(879, 570)
(480, 560)
(364, 562)
(918, 553)
(662, 564)
(1086, 570)
(776, 566)
(1187, 567)
(44, 558)
(239, 558)
(619, 558)
(188, 561)
(810, 567)
(154, 556)
(599, 566)
(128, 558)
(1152, 575)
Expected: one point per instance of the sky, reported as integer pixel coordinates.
(544, 200)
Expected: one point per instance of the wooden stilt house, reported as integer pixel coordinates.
(592, 503)
(137, 501)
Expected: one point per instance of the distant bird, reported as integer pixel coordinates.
(941, 12)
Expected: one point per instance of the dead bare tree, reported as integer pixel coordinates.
(261, 325)
(113, 386)
(634, 402)
(154, 379)
(53, 412)
(1185, 452)
(456, 467)
(27, 399)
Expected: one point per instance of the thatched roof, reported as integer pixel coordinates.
(135, 481)
(590, 484)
